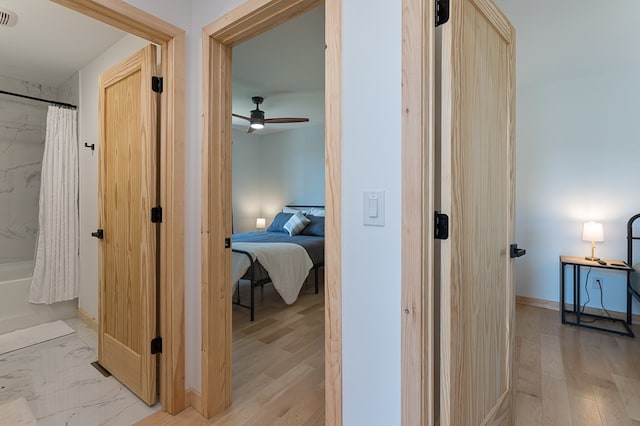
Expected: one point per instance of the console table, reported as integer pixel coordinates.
(577, 263)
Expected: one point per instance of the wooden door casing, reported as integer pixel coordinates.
(477, 191)
(127, 192)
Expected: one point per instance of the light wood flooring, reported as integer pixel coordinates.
(567, 375)
(278, 364)
(564, 375)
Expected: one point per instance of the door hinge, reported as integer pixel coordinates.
(99, 234)
(156, 214)
(227, 242)
(441, 230)
(442, 12)
(156, 84)
(156, 345)
(514, 251)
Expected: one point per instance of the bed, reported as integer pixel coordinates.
(634, 276)
(279, 257)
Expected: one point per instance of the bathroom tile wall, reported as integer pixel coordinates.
(22, 134)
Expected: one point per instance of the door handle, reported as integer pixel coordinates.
(99, 234)
(517, 252)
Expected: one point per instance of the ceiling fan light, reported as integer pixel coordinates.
(256, 125)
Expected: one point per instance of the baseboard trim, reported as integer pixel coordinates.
(555, 306)
(195, 400)
(87, 319)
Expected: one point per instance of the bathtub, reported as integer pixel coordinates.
(15, 310)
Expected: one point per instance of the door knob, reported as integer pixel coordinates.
(99, 234)
(517, 252)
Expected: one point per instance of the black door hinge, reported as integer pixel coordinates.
(156, 345)
(99, 234)
(227, 242)
(156, 214)
(441, 231)
(514, 251)
(442, 12)
(156, 84)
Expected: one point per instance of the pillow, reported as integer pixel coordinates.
(296, 223)
(292, 210)
(317, 211)
(278, 222)
(315, 228)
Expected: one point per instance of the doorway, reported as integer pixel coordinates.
(171, 271)
(241, 24)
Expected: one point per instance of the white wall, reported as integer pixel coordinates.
(246, 191)
(273, 170)
(578, 99)
(88, 133)
(577, 161)
(371, 262)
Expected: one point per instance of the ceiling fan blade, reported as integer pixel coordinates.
(241, 116)
(286, 120)
(251, 130)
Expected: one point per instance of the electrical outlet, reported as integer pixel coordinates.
(596, 283)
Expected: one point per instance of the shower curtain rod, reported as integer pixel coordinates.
(62, 104)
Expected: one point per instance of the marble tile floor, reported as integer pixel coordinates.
(63, 388)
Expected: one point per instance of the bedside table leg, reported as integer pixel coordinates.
(562, 292)
(576, 289)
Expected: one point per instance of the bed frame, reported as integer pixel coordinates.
(630, 260)
(259, 276)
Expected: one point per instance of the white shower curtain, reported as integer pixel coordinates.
(56, 269)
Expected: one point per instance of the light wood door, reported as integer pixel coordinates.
(477, 191)
(127, 192)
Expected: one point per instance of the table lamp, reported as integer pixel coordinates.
(592, 231)
(261, 223)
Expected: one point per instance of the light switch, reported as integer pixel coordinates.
(374, 208)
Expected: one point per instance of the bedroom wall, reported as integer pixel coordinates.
(577, 161)
(577, 128)
(88, 160)
(246, 181)
(273, 170)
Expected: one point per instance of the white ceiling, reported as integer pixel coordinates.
(49, 43)
(285, 66)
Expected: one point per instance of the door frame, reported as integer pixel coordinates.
(171, 39)
(418, 354)
(218, 38)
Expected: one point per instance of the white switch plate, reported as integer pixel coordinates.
(373, 208)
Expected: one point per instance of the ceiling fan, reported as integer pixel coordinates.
(257, 120)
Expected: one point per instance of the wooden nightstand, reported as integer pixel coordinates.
(577, 263)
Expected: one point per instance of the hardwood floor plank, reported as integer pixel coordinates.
(551, 356)
(629, 389)
(610, 405)
(584, 411)
(555, 402)
(528, 410)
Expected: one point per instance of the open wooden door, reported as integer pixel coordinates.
(477, 192)
(127, 252)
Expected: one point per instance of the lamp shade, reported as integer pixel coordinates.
(261, 223)
(592, 231)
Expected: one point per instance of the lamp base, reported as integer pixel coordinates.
(592, 258)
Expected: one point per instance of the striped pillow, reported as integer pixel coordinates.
(296, 223)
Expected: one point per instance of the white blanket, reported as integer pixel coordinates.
(287, 264)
